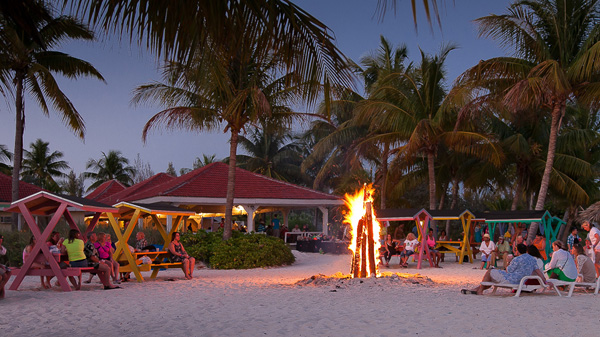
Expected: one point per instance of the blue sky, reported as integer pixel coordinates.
(112, 123)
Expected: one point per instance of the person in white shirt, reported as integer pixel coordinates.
(487, 249)
(410, 244)
(594, 237)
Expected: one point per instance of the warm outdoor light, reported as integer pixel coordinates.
(365, 232)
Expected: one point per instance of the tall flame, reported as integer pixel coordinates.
(357, 209)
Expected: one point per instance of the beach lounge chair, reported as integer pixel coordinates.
(522, 286)
(559, 283)
(589, 285)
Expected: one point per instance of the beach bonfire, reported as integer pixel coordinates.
(365, 232)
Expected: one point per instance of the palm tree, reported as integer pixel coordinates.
(73, 185)
(556, 60)
(110, 166)
(5, 155)
(40, 166)
(27, 65)
(276, 29)
(271, 154)
(217, 90)
(205, 160)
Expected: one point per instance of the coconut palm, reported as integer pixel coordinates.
(277, 29)
(220, 91)
(28, 66)
(556, 60)
(5, 155)
(111, 165)
(41, 166)
(73, 184)
(271, 153)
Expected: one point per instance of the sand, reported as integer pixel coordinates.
(269, 302)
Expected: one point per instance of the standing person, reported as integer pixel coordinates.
(275, 223)
(487, 249)
(4, 270)
(561, 266)
(178, 254)
(399, 232)
(594, 236)
(477, 233)
(573, 238)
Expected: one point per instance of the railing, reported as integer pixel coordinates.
(299, 235)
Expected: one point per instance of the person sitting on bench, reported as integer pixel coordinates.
(103, 270)
(4, 270)
(141, 245)
(521, 266)
(178, 254)
(410, 244)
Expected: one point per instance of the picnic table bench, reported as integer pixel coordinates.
(159, 261)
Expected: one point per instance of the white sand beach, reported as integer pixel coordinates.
(266, 302)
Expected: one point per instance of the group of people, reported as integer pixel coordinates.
(407, 248)
(568, 262)
(96, 252)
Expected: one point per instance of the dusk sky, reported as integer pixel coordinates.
(112, 123)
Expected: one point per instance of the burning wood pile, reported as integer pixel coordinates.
(365, 233)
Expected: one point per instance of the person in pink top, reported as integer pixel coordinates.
(435, 254)
(104, 253)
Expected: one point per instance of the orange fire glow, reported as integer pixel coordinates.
(357, 208)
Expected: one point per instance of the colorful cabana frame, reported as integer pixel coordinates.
(549, 224)
(421, 218)
(466, 218)
(132, 212)
(46, 204)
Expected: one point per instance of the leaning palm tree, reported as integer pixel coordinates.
(41, 166)
(216, 90)
(111, 165)
(556, 60)
(27, 66)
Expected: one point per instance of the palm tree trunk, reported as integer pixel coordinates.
(443, 196)
(453, 203)
(431, 169)
(518, 193)
(18, 156)
(384, 174)
(558, 111)
(230, 183)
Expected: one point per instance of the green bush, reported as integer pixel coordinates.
(14, 242)
(242, 251)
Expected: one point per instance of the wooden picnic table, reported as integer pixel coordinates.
(46, 204)
(132, 212)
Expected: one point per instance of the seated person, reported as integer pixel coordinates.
(435, 254)
(178, 254)
(103, 246)
(93, 260)
(388, 250)
(38, 263)
(410, 244)
(585, 266)
(503, 250)
(561, 266)
(141, 245)
(521, 266)
(540, 243)
(4, 270)
(487, 249)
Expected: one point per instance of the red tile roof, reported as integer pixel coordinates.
(25, 189)
(155, 180)
(210, 181)
(105, 190)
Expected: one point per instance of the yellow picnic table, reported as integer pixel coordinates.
(132, 212)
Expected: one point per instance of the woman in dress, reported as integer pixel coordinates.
(178, 254)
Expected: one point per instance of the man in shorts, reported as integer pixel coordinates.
(594, 237)
(521, 266)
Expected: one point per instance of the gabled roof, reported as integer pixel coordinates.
(45, 203)
(25, 189)
(149, 183)
(210, 182)
(105, 190)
